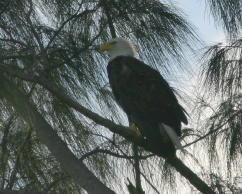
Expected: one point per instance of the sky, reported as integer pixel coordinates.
(198, 14)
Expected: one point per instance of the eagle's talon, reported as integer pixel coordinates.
(133, 127)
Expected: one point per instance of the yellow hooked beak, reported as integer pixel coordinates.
(105, 47)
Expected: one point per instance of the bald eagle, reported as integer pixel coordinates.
(146, 97)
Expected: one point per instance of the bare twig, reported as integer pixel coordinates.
(19, 192)
(76, 15)
(13, 177)
(98, 150)
(14, 41)
(32, 28)
(212, 131)
(4, 147)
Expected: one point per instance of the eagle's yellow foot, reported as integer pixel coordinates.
(133, 127)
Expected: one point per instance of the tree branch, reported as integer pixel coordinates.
(15, 168)
(4, 150)
(98, 150)
(19, 192)
(189, 175)
(137, 169)
(123, 131)
(211, 131)
(76, 15)
(126, 133)
(78, 171)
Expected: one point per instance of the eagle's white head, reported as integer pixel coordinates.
(118, 47)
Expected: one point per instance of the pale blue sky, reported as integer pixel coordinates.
(198, 14)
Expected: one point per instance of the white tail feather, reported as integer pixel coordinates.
(172, 135)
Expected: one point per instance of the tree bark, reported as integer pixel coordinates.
(189, 175)
(106, 10)
(78, 171)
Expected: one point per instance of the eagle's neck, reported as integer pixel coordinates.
(112, 57)
(126, 51)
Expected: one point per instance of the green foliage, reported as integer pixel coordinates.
(26, 164)
(222, 75)
(227, 124)
(228, 14)
(222, 68)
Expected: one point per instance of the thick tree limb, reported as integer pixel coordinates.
(78, 171)
(123, 131)
(189, 175)
(103, 151)
(128, 134)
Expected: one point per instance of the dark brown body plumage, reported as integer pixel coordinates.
(147, 99)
